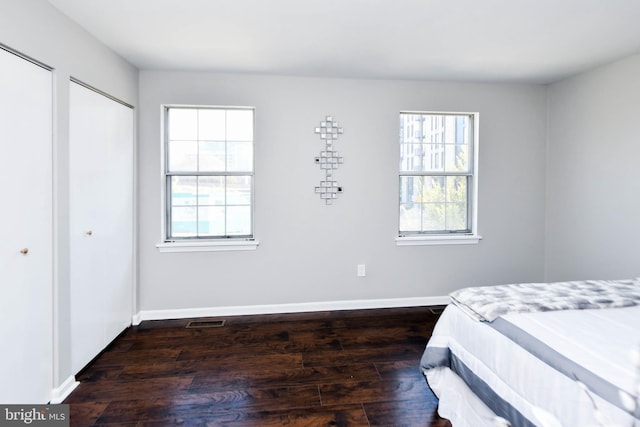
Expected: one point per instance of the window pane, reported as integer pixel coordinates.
(183, 190)
(183, 221)
(211, 124)
(183, 124)
(410, 217)
(422, 189)
(410, 187)
(211, 156)
(239, 190)
(456, 158)
(183, 156)
(456, 216)
(239, 156)
(433, 217)
(238, 220)
(211, 221)
(434, 142)
(412, 128)
(433, 189)
(239, 125)
(433, 158)
(406, 154)
(457, 189)
(433, 203)
(211, 190)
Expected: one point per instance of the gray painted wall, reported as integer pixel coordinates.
(36, 29)
(309, 251)
(593, 190)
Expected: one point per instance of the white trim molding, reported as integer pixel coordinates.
(209, 245)
(61, 392)
(467, 239)
(136, 319)
(290, 308)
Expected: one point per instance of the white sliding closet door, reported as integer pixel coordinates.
(101, 221)
(26, 257)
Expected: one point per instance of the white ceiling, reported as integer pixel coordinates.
(535, 41)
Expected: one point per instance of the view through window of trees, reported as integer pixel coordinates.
(436, 173)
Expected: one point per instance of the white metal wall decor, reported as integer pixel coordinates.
(329, 160)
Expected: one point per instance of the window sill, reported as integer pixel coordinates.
(468, 239)
(209, 245)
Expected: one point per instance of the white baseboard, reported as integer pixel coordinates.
(136, 319)
(287, 308)
(63, 390)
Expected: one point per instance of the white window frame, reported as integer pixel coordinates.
(471, 237)
(230, 243)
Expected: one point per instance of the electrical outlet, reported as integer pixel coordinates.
(362, 270)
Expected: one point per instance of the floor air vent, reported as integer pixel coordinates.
(206, 324)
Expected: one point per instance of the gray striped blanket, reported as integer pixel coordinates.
(486, 303)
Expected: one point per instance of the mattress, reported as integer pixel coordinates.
(569, 366)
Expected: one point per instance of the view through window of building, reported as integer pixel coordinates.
(209, 172)
(436, 173)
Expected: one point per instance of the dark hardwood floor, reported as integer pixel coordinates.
(343, 368)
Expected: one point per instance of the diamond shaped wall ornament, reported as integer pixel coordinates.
(329, 160)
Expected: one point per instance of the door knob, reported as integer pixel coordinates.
(24, 251)
(89, 233)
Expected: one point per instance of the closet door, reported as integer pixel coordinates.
(26, 257)
(101, 221)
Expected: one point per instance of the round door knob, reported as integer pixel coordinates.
(89, 233)
(24, 251)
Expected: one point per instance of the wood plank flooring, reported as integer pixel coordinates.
(343, 368)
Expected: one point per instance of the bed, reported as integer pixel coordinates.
(543, 354)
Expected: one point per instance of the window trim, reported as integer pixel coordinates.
(449, 238)
(194, 244)
(208, 245)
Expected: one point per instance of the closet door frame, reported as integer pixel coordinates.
(95, 319)
(27, 247)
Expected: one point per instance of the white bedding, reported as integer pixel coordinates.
(598, 340)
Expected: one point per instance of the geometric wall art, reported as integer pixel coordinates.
(329, 160)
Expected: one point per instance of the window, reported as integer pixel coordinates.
(208, 172)
(437, 178)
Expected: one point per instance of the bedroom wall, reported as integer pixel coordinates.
(36, 29)
(593, 187)
(309, 251)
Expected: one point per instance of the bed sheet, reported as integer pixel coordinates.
(600, 341)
